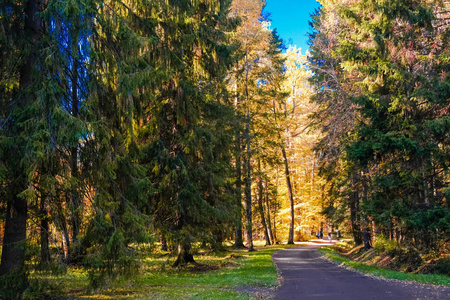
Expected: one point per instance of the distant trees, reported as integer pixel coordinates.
(261, 100)
(380, 71)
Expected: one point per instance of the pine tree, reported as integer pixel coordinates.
(184, 134)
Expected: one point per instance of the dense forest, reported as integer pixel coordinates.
(380, 72)
(132, 125)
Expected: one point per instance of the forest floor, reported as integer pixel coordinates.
(231, 274)
(306, 272)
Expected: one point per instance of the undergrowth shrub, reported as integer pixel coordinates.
(345, 245)
(383, 244)
(13, 284)
(407, 260)
(442, 267)
(42, 289)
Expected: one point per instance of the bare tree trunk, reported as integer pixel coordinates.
(248, 186)
(261, 206)
(61, 223)
(374, 232)
(288, 181)
(291, 197)
(75, 199)
(248, 198)
(364, 223)
(313, 173)
(354, 207)
(275, 240)
(238, 243)
(66, 244)
(269, 221)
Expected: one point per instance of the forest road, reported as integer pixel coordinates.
(306, 275)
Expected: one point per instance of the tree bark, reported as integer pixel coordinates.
(291, 197)
(275, 240)
(61, 223)
(366, 238)
(184, 255)
(354, 206)
(313, 169)
(261, 206)
(238, 243)
(75, 199)
(45, 251)
(248, 186)
(13, 253)
(269, 221)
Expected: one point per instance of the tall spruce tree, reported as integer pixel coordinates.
(184, 134)
(21, 39)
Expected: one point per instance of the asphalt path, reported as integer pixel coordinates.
(305, 274)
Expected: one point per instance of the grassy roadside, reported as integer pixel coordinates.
(332, 254)
(228, 275)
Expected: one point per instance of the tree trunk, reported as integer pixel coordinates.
(75, 199)
(248, 192)
(248, 186)
(269, 221)
(288, 181)
(275, 240)
(45, 252)
(217, 243)
(291, 197)
(13, 253)
(261, 206)
(354, 205)
(238, 240)
(184, 255)
(313, 169)
(366, 238)
(65, 244)
(65, 240)
(238, 243)
(163, 242)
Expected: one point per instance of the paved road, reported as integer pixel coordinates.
(308, 276)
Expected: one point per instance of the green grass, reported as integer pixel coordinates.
(436, 279)
(225, 272)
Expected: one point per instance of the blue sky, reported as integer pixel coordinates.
(290, 18)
